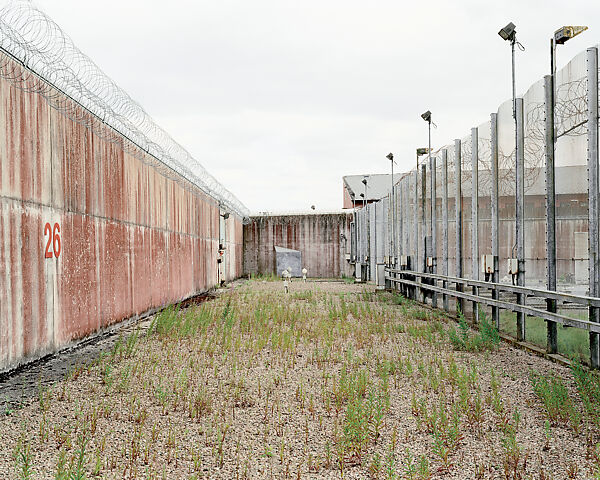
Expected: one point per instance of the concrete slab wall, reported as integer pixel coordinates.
(323, 239)
(90, 233)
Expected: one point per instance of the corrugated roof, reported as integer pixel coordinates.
(378, 185)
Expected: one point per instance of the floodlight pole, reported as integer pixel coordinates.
(514, 82)
(550, 134)
(509, 33)
(550, 131)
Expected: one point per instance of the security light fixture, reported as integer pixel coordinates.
(422, 151)
(565, 33)
(426, 116)
(362, 195)
(225, 215)
(364, 181)
(390, 156)
(508, 33)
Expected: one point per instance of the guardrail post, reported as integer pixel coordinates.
(458, 205)
(423, 264)
(445, 224)
(475, 216)
(552, 333)
(592, 158)
(432, 167)
(520, 214)
(495, 220)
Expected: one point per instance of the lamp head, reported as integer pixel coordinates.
(364, 181)
(426, 116)
(508, 33)
(564, 34)
(390, 156)
(422, 151)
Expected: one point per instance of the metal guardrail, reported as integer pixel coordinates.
(417, 285)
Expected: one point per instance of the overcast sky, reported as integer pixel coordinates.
(279, 99)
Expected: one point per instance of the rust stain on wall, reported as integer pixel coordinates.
(131, 238)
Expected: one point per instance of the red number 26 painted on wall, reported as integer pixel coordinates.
(53, 240)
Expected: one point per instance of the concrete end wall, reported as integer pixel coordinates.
(323, 239)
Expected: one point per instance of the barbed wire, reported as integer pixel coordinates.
(50, 65)
(570, 115)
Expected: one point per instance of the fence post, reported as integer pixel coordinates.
(423, 265)
(398, 218)
(592, 159)
(495, 216)
(458, 205)
(415, 261)
(432, 167)
(551, 327)
(445, 224)
(520, 214)
(475, 216)
(370, 260)
(406, 224)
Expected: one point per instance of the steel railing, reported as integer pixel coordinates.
(418, 285)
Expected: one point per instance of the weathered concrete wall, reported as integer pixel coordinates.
(323, 239)
(130, 238)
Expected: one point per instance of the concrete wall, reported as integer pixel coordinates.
(131, 239)
(317, 236)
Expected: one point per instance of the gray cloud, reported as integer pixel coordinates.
(280, 99)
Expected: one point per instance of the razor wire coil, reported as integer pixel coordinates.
(48, 63)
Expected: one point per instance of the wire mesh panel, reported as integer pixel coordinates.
(372, 241)
(571, 177)
(484, 189)
(451, 211)
(382, 238)
(535, 200)
(572, 196)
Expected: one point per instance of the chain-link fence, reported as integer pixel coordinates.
(525, 215)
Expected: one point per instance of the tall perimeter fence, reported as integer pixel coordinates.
(512, 234)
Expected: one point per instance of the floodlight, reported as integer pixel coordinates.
(364, 181)
(508, 33)
(390, 156)
(426, 116)
(564, 34)
(422, 151)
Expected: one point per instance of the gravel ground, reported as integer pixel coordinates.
(329, 381)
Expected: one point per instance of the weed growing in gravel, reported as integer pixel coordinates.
(588, 386)
(487, 338)
(23, 459)
(320, 382)
(557, 402)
